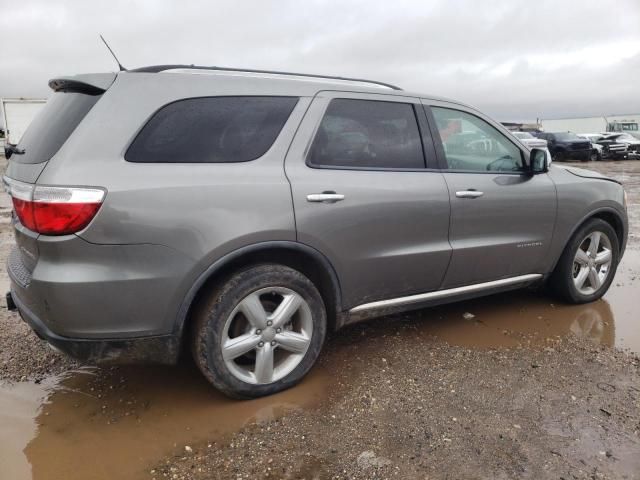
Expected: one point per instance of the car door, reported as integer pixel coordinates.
(364, 198)
(502, 217)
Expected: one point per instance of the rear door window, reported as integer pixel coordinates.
(53, 125)
(211, 130)
(368, 134)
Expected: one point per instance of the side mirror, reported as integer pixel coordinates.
(538, 161)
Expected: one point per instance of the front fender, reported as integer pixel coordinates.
(580, 199)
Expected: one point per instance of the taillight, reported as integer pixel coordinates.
(54, 210)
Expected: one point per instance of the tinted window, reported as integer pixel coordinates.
(212, 130)
(470, 143)
(53, 126)
(368, 134)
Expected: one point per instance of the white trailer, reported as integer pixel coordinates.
(17, 114)
(605, 123)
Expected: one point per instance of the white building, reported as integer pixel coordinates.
(627, 122)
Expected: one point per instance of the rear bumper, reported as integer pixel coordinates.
(82, 290)
(101, 303)
(162, 349)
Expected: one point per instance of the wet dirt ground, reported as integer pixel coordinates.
(513, 385)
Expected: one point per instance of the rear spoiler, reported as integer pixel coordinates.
(89, 84)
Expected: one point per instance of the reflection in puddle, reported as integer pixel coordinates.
(521, 318)
(530, 318)
(114, 423)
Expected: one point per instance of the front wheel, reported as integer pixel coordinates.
(588, 264)
(260, 332)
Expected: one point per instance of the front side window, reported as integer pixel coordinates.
(472, 144)
(368, 134)
(211, 130)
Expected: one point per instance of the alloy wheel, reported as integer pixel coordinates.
(592, 263)
(267, 335)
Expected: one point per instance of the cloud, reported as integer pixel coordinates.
(514, 60)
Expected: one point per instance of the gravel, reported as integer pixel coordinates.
(23, 356)
(567, 410)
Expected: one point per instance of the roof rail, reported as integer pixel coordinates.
(162, 68)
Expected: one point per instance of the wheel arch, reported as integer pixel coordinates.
(299, 256)
(607, 214)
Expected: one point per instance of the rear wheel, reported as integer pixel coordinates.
(260, 332)
(588, 264)
(558, 156)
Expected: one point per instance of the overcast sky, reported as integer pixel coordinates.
(515, 60)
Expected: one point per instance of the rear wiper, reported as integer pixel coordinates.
(11, 149)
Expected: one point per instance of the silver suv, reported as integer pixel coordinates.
(242, 214)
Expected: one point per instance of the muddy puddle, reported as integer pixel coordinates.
(116, 423)
(532, 318)
(108, 424)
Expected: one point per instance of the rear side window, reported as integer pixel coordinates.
(53, 126)
(211, 130)
(368, 134)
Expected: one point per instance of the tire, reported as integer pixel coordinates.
(594, 156)
(220, 319)
(569, 272)
(558, 157)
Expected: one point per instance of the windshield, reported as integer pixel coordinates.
(625, 136)
(523, 135)
(53, 125)
(564, 136)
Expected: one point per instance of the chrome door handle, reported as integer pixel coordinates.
(326, 197)
(469, 194)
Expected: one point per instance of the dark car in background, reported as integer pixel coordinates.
(566, 146)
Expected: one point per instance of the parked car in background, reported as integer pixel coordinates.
(241, 217)
(631, 143)
(597, 150)
(566, 146)
(531, 141)
(610, 149)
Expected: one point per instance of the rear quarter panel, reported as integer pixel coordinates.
(202, 211)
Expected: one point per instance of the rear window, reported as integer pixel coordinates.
(53, 126)
(211, 130)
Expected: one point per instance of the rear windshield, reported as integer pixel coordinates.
(211, 130)
(53, 126)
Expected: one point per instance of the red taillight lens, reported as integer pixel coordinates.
(54, 210)
(24, 211)
(63, 218)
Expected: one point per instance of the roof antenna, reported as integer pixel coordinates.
(122, 69)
